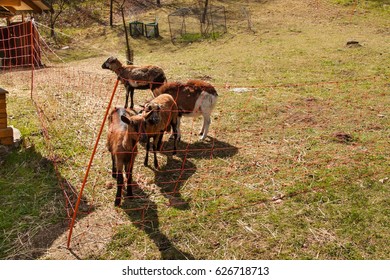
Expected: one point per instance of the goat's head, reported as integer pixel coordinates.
(111, 63)
(135, 127)
(151, 113)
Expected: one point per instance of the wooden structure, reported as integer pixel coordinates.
(19, 41)
(6, 133)
(19, 46)
(14, 7)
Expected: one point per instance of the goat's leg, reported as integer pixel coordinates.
(114, 171)
(132, 98)
(119, 185)
(174, 128)
(205, 127)
(157, 143)
(176, 133)
(128, 89)
(147, 151)
(129, 177)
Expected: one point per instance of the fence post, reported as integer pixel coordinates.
(89, 165)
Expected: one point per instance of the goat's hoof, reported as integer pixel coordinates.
(117, 202)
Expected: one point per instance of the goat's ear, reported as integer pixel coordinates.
(125, 119)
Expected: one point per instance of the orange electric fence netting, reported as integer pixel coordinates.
(72, 104)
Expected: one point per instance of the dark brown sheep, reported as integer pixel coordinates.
(125, 129)
(139, 77)
(160, 115)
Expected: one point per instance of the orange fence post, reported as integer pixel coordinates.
(89, 166)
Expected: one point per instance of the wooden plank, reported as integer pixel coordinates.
(11, 2)
(33, 6)
(3, 115)
(7, 141)
(3, 111)
(2, 95)
(7, 132)
(3, 123)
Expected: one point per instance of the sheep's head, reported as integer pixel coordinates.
(111, 63)
(135, 128)
(152, 113)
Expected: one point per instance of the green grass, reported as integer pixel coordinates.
(30, 198)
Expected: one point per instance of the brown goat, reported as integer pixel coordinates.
(193, 98)
(125, 129)
(140, 77)
(160, 115)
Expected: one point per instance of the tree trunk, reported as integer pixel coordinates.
(129, 55)
(206, 4)
(111, 8)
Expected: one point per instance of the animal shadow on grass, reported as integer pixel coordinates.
(208, 149)
(171, 178)
(40, 199)
(143, 213)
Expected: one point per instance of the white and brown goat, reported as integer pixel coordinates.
(160, 114)
(193, 99)
(125, 129)
(135, 77)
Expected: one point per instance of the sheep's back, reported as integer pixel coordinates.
(186, 95)
(148, 73)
